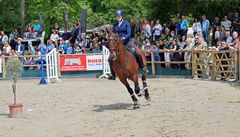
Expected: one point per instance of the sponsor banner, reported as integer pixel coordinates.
(94, 62)
(0, 65)
(73, 63)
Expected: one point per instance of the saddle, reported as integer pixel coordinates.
(136, 54)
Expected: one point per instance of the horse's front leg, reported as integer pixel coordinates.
(130, 91)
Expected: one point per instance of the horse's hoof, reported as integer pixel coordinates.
(136, 106)
(147, 97)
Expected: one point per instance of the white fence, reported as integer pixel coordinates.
(52, 65)
(106, 67)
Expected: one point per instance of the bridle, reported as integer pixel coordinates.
(111, 43)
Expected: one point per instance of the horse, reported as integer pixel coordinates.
(126, 67)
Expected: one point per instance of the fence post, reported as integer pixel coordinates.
(59, 72)
(152, 62)
(214, 64)
(193, 63)
(238, 64)
(4, 67)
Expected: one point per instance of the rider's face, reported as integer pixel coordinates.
(119, 18)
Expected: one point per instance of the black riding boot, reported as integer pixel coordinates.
(113, 75)
(140, 62)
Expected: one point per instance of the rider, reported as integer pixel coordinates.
(123, 28)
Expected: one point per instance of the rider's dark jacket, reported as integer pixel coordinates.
(124, 30)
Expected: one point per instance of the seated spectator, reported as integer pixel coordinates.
(42, 46)
(236, 22)
(19, 47)
(228, 38)
(31, 49)
(54, 37)
(6, 49)
(28, 59)
(69, 49)
(42, 52)
(62, 48)
(66, 35)
(50, 46)
(96, 49)
(29, 32)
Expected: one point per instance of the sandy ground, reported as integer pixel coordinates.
(102, 108)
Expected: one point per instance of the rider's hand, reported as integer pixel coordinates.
(123, 38)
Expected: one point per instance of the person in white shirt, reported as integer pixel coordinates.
(197, 27)
(54, 36)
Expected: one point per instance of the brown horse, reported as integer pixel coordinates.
(126, 67)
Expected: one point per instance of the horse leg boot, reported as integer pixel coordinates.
(137, 89)
(134, 99)
(145, 88)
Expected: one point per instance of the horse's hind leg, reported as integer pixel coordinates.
(130, 91)
(145, 87)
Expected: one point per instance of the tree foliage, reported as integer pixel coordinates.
(101, 12)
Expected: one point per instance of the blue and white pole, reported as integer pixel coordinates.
(42, 81)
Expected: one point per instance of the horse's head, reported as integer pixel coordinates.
(114, 42)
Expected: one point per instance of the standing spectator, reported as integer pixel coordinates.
(147, 30)
(217, 35)
(56, 28)
(222, 33)
(226, 23)
(76, 32)
(36, 28)
(178, 27)
(19, 47)
(205, 28)
(236, 22)
(157, 29)
(184, 26)
(216, 24)
(197, 27)
(201, 45)
(13, 38)
(4, 37)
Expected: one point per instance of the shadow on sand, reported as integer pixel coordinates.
(116, 106)
(4, 115)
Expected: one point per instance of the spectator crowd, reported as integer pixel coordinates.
(162, 39)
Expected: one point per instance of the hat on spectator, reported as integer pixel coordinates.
(29, 42)
(19, 39)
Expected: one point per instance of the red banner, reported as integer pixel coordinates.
(73, 63)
